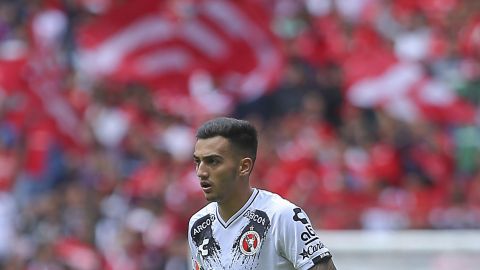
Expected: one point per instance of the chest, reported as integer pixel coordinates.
(242, 243)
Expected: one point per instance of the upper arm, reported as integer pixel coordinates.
(298, 242)
(325, 265)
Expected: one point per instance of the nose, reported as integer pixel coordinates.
(202, 173)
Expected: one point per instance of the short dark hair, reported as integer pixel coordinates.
(241, 133)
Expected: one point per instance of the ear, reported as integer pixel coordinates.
(246, 166)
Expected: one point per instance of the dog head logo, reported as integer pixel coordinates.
(250, 242)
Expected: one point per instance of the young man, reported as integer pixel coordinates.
(244, 227)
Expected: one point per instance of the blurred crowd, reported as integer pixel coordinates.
(123, 200)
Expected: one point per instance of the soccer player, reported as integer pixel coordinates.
(244, 227)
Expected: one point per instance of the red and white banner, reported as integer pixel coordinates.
(405, 91)
(33, 77)
(163, 43)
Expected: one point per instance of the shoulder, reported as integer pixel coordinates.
(282, 212)
(204, 213)
(275, 204)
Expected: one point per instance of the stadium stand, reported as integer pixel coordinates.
(368, 112)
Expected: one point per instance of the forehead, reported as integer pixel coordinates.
(217, 145)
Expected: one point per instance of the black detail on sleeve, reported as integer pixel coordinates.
(299, 216)
(322, 257)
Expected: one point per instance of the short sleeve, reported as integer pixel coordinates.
(297, 241)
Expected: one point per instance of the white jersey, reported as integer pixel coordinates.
(267, 233)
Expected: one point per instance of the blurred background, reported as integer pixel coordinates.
(368, 112)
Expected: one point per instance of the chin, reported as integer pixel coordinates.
(210, 198)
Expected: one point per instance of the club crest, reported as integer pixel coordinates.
(250, 242)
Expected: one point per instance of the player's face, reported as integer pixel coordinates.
(217, 166)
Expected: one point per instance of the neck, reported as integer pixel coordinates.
(228, 209)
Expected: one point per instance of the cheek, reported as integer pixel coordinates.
(226, 175)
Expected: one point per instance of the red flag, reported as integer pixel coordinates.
(162, 45)
(34, 78)
(404, 90)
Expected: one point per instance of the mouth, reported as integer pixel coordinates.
(206, 186)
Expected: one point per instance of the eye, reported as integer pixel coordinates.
(196, 162)
(212, 161)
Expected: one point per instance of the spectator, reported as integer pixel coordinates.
(119, 184)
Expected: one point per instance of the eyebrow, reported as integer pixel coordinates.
(207, 156)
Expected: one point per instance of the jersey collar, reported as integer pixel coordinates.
(239, 212)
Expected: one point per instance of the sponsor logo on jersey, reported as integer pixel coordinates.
(299, 216)
(202, 236)
(250, 242)
(308, 236)
(202, 224)
(255, 216)
(203, 248)
(310, 250)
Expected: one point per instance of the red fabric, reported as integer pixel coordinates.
(10, 74)
(438, 45)
(437, 11)
(403, 10)
(34, 79)
(429, 98)
(79, 255)
(244, 63)
(45, 89)
(423, 202)
(119, 16)
(325, 42)
(8, 167)
(41, 135)
(146, 182)
(469, 39)
(452, 110)
(435, 163)
(367, 63)
(13, 86)
(385, 163)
